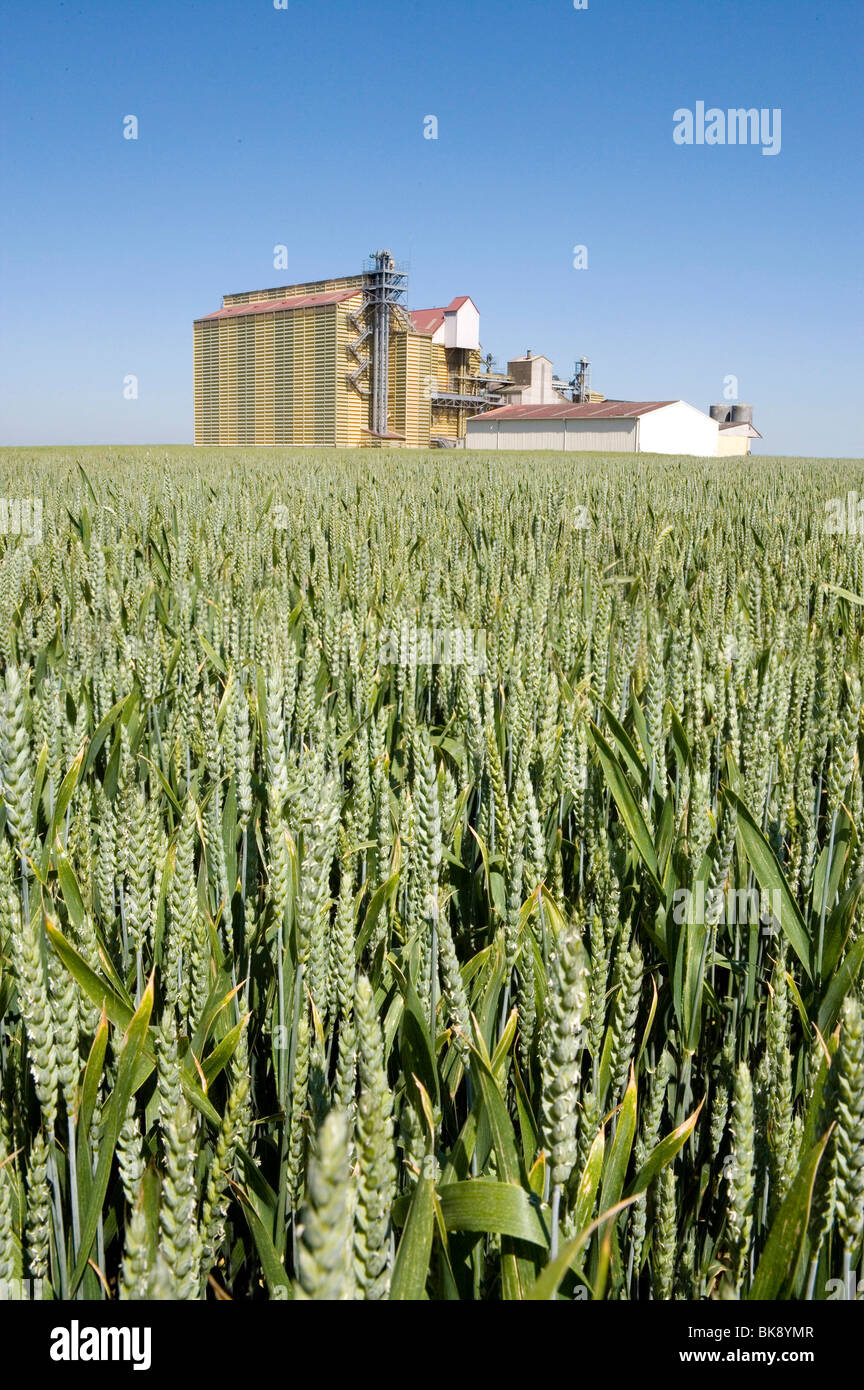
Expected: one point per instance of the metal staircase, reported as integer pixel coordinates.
(353, 378)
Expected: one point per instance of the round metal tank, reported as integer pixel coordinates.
(742, 415)
(720, 413)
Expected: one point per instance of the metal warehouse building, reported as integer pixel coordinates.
(340, 362)
(646, 427)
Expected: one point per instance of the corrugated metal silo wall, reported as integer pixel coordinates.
(410, 370)
(276, 379)
(206, 356)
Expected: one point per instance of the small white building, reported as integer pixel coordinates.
(456, 325)
(635, 427)
(735, 438)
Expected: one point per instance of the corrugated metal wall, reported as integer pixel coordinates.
(410, 368)
(281, 377)
(265, 386)
(599, 436)
(207, 382)
(277, 379)
(609, 436)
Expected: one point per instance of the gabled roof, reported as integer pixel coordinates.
(268, 306)
(428, 321)
(567, 410)
(741, 427)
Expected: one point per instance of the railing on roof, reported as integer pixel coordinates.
(371, 265)
(497, 373)
(458, 400)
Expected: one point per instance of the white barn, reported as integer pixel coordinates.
(635, 427)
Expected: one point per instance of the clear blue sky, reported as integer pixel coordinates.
(261, 126)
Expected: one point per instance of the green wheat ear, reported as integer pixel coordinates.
(665, 1242)
(376, 1167)
(180, 1240)
(136, 1270)
(741, 1180)
(10, 1261)
(28, 952)
(325, 1269)
(16, 763)
(38, 1224)
(561, 1049)
(849, 1134)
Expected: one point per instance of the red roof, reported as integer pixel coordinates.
(267, 306)
(599, 410)
(427, 321)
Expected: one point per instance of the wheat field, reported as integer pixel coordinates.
(430, 876)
